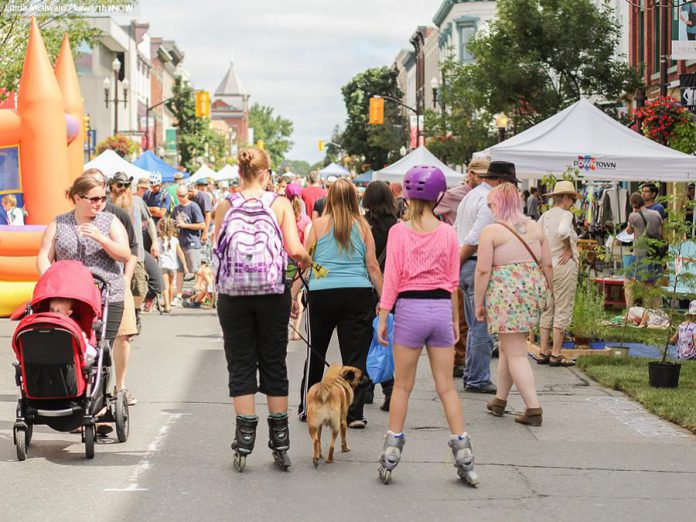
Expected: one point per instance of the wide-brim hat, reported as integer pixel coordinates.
(503, 170)
(564, 188)
(121, 177)
(478, 166)
(178, 175)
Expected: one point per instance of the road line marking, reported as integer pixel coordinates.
(153, 448)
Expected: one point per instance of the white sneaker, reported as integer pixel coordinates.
(176, 301)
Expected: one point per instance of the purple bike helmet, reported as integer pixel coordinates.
(424, 182)
(292, 190)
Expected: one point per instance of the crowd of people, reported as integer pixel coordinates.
(464, 270)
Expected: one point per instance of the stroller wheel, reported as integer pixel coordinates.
(90, 435)
(30, 432)
(121, 415)
(20, 436)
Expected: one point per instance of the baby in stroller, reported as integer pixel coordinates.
(63, 367)
(62, 306)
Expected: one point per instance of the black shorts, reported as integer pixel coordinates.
(255, 330)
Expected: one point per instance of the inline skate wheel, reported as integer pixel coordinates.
(239, 462)
(470, 477)
(385, 475)
(282, 460)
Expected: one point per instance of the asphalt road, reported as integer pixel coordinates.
(598, 456)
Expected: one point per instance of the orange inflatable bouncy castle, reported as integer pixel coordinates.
(41, 152)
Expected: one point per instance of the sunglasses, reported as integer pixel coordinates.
(95, 199)
(121, 185)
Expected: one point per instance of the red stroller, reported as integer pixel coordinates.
(59, 386)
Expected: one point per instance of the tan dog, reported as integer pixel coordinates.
(327, 405)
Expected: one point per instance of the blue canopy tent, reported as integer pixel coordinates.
(150, 162)
(365, 177)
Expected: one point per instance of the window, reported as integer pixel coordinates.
(466, 34)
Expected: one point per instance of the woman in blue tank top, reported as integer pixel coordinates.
(342, 300)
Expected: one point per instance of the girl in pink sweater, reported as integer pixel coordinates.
(420, 285)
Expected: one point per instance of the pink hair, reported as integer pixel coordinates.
(507, 204)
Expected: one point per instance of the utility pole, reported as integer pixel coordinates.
(665, 17)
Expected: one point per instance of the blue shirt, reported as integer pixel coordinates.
(190, 213)
(347, 269)
(657, 207)
(162, 199)
(3, 216)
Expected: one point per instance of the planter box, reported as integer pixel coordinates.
(571, 354)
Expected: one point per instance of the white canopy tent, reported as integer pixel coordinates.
(204, 172)
(109, 163)
(227, 172)
(600, 147)
(334, 170)
(420, 156)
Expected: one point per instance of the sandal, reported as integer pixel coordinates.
(559, 360)
(543, 358)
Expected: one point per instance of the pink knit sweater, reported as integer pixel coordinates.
(420, 261)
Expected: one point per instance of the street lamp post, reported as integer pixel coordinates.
(501, 121)
(116, 67)
(435, 85)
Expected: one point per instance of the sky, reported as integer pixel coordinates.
(292, 55)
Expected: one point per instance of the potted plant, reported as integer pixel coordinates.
(588, 313)
(664, 373)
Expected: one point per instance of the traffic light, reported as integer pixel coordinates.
(202, 104)
(321, 145)
(260, 144)
(376, 111)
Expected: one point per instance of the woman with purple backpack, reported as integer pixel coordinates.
(256, 232)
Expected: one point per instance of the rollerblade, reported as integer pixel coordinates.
(463, 458)
(244, 438)
(279, 439)
(391, 455)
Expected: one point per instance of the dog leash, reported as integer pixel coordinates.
(306, 341)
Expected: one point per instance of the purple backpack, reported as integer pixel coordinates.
(249, 258)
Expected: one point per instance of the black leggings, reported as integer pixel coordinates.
(350, 312)
(255, 330)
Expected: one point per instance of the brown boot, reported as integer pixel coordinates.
(496, 406)
(531, 417)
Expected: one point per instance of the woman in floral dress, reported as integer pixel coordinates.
(512, 275)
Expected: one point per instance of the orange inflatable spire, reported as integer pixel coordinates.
(44, 154)
(66, 74)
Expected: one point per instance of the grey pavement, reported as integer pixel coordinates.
(599, 456)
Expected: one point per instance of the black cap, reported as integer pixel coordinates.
(121, 177)
(503, 170)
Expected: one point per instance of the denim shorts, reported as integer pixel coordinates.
(419, 322)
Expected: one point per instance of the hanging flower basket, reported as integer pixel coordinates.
(660, 118)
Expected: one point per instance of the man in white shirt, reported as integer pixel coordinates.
(473, 215)
(558, 226)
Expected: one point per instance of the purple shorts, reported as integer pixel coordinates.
(419, 322)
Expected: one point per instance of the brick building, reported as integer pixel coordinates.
(231, 105)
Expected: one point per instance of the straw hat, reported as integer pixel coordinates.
(478, 166)
(564, 188)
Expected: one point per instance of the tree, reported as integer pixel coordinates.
(275, 131)
(14, 31)
(300, 167)
(196, 139)
(542, 55)
(375, 142)
(461, 127)
(121, 145)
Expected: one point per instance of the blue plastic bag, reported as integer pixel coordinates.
(380, 359)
